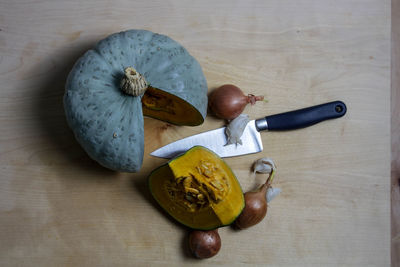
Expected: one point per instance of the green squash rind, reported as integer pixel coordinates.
(149, 184)
(106, 123)
(164, 63)
(109, 124)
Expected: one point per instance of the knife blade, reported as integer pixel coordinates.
(216, 140)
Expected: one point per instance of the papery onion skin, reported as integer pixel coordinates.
(204, 244)
(228, 101)
(255, 208)
(256, 204)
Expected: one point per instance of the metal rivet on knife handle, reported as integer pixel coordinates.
(261, 124)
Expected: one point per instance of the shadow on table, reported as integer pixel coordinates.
(140, 185)
(61, 146)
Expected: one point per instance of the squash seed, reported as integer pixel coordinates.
(207, 173)
(193, 190)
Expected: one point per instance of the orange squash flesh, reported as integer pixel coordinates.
(198, 189)
(167, 107)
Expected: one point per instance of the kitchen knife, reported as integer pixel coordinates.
(216, 140)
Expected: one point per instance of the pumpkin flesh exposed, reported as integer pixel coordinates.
(160, 181)
(198, 189)
(161, 105)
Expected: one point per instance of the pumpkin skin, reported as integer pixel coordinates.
(164, 183)
(107, 122)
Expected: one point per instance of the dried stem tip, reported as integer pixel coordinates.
(133, 83)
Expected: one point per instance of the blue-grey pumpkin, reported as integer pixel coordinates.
(126, 76)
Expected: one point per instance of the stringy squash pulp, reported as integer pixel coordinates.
(198, 189)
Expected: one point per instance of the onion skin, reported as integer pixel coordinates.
(228, 101)
(256, 205)
(255, 208)
(204, 244)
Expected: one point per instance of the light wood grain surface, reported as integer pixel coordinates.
(59, 208)
(395, 133)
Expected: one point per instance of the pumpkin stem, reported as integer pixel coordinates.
(133, 83)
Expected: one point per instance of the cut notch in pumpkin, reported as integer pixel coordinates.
(167, 107)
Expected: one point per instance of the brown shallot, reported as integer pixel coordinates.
(256, 202)
(228, 101)
(204, 244)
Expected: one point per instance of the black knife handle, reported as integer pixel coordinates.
(302, 117)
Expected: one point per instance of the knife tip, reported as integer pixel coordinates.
(158, 155)
(153, 154)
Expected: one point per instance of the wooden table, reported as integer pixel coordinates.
(395, 133)
(60, 208)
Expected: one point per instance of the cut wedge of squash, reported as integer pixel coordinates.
(198, 189)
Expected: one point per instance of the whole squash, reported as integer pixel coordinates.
(126, 76)
(198, 189)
